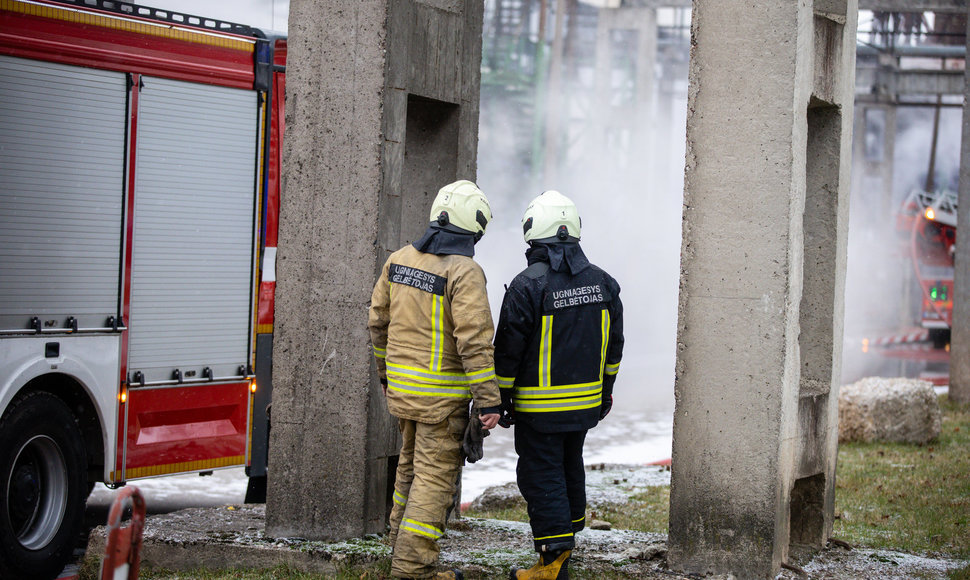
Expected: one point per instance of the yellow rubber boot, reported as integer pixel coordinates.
(557, 569)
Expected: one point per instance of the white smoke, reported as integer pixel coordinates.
(629, 194)
(877, 277)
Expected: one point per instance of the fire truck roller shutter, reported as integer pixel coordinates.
(62, 138)
(194, 230)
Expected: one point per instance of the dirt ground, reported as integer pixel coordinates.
(232, 537)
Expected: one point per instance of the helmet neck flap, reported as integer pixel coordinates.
(565, 257)
(442, 241)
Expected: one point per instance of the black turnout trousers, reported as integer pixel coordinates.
(552, 478)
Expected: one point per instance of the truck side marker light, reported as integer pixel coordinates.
(930, 214)
(252, 388)
(123, 396)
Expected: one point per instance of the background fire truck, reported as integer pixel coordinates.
(927, 225)
(138, 218)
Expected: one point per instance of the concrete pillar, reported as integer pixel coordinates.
(381, 111)
(633, 117)
(960, 330)
(762, 278)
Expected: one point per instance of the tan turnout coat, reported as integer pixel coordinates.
(431, 331)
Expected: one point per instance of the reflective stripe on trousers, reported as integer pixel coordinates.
(427, 479)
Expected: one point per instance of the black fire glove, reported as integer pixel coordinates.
(507, 419)
(472, 446)
(605, 407)
(607, 404)
(507, 412)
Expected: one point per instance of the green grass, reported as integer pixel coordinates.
(646, 511)
(908, 497)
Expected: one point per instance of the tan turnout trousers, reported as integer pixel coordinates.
(426, 484)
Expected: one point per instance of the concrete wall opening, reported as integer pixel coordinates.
(430, 160)
(819, 265)
(807, 520)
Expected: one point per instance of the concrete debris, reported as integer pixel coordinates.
(499, 497)
(889, 409)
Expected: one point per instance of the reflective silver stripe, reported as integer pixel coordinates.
(557, 392)
(612, 369)
(399, 498)
(429, 390)
(563, 405)
(545, 352)
(483, 375)
(379, 352)
(505, 382)
(436, 337)
(422, 529)
(439, 378)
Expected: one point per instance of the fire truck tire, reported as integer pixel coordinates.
(43, 468)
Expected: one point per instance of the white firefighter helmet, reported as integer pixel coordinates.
(462, 205)
(551, 215)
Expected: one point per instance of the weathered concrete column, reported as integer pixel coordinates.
(381, 111)
(762, 278)
(641, 22)
(960, 329)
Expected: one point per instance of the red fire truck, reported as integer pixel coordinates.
(139, 163)
(927, 223)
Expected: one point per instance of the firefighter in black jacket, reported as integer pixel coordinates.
(557, 352)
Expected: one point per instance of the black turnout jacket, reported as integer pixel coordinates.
(559, 340)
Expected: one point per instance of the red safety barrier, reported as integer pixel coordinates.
(121, 555)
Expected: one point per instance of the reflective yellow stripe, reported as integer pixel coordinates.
(165, 30)
(545, 352)
(422, 529)
(460, 392)
(505, 382)
(399, 498)
(605, 329)
(569, 535)
(558, 391)
(438, 378)
(436, 336)
(576, 404)
(612, 369)
(379, 352)
(579, 520)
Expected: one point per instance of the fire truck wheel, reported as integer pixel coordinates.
(42, 487)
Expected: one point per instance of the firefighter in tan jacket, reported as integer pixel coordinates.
(431, 331)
